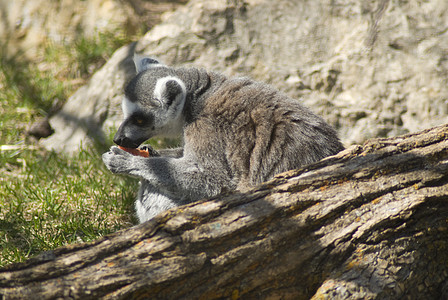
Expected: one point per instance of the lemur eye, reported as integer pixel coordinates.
(138, 120)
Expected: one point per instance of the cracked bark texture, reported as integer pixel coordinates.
(368, 223)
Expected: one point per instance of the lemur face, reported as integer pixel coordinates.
(152, 105)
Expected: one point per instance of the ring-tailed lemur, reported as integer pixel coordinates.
(236, 133)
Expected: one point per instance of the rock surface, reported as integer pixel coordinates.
(371, 69)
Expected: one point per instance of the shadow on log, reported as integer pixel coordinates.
(368, 223)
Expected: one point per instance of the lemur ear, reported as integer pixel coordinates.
(169, 90)
(143, 63)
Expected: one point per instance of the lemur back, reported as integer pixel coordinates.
(236, 133)
(255, 132)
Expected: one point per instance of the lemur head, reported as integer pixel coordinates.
(152, 105)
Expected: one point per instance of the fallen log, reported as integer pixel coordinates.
(368, 223)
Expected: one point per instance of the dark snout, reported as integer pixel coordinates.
(125, 141)
(124, 138)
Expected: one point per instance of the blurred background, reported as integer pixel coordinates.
(370, 68)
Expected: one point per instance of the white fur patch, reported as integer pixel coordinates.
(128, 107)
(161, 86)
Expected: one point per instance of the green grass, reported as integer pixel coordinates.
(48, 200)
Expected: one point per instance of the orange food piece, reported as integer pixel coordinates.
(135, 151)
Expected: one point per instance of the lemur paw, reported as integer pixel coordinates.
(117, 160)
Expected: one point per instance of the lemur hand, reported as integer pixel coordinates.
(117, 160)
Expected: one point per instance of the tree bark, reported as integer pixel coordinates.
(368, 223)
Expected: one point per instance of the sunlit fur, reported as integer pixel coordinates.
(236, 133)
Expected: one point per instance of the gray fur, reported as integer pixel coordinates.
(236, 132)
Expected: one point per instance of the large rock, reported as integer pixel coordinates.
(370, 68)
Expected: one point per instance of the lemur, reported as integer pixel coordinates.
(236, 133)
